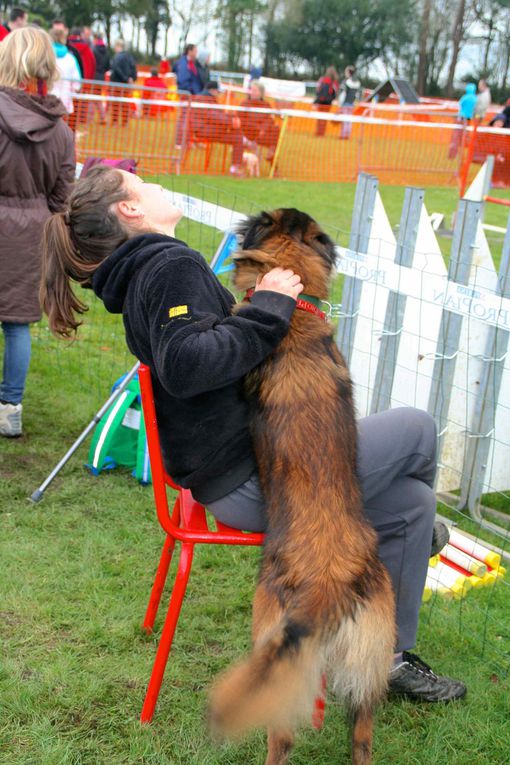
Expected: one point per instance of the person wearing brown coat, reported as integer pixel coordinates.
(37, 165)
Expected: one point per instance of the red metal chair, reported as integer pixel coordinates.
(187, 523)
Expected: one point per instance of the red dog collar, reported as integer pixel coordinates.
(310, 304)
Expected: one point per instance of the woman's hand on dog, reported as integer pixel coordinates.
(281, 280)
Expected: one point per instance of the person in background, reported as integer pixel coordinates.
(37, 172)
(82, 111)
(123, 71)
(86, 36)
(87, 57)
(154, 81)
(186, 71)
(350, 92)
(164, 67)
(259, 128)
(467, 103)
(102, 58)
(502, 119)
(218, 126)
(465, 114)
(189, 82)
(58, 24)
(327, 90)
(69, 81)
(255, 73)
(203, 58)
(18, 18)
(151, 85)
(483, 100)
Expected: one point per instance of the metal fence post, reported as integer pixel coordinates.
(395, 309)
(475, 461)
(487, 181)
(463, 244)
(362, 216)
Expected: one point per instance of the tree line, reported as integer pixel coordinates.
(421, 40)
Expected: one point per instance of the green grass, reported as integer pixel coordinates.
(76, 571)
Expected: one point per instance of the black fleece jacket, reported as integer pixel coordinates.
(178, 320)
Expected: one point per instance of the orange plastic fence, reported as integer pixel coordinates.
(174, 133)
(496, 201)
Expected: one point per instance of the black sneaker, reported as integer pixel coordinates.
(440, 538)
(415, 680)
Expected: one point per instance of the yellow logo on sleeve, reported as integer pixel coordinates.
(177, 310)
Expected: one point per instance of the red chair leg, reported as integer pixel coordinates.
(159, 583)
(207, 158)
(167, 635)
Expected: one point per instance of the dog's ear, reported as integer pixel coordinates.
(325, 246)
(254, 230)
(249, 265)
(254, 256)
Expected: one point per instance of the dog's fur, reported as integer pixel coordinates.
(324, 602)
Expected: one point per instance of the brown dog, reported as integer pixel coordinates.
(324, 602)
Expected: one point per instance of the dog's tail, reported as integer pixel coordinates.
(275, 686)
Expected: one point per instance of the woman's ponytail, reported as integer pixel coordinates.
(58, 299)
(76, 242)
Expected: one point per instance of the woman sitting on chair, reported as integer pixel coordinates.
(217, 126)
(117, 235)
(258, 127)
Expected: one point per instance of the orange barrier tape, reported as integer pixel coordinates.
(193, 136)
(496, 201)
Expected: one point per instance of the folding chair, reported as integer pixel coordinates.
(207, 144)
(187, 523)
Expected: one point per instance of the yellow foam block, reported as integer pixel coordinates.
(493, 559)
(461, 589)
(444, 578)
(492, 576)
(427, 594)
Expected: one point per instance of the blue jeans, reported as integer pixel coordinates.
(16, 361)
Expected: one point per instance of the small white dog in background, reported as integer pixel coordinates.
(251, 163)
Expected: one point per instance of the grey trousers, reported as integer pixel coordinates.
(396, 469)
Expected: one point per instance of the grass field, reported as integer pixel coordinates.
(330, 203)
(76, 572)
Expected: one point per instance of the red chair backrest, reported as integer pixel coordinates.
(161, 479)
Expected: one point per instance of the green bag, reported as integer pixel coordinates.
(119, 437)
